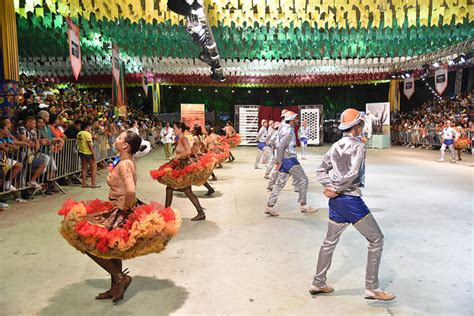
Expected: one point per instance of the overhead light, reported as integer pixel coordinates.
(451, 63)
(268, 91)
(329, 88)
(436, 64)
(280, 102)
(352, 86)
(215, 91)
(423, 79)
(199, 89)
(169, 87)
(403, 76)
(394, 76)
(286, 91)
(462, 59)
(407, 75)
(139, 94)
(233, 91)
(249, 91)
(184, 88)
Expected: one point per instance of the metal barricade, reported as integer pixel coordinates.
(55, 162)
(422, 139)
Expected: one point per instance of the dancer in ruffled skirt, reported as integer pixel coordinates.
(185, 171)
(231, 138)
(109, 231)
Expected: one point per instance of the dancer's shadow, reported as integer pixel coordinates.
(145, 296)
(200, 194)
(197, 230)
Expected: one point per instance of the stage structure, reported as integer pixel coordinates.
(246, 118)
(247, 121)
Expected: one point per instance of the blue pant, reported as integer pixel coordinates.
(261, 145)
(304, 140)
(347, 209)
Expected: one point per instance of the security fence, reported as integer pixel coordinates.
(28, 169)
(422, 138)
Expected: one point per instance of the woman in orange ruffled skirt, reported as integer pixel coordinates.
(220, 150)
(198, 149)
(231, 138)
(109, 231)
(184, 171)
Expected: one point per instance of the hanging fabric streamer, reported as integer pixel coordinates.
(441, 79)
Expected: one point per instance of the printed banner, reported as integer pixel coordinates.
(74, 47)
(441, 79)
(409, 87)
(377, 118)
(192, 114)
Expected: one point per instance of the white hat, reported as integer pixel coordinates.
(43, 106)
(277, 124)
(263, 121)
(283, 112)
(290, 116)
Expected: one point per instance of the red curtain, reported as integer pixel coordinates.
(273, 113)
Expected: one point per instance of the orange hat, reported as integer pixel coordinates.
(270, 122)
(283, 112)
(263, 121)
(349, 118)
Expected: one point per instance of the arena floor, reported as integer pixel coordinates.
(241, 262)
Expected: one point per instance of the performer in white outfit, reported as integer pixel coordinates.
(261, 141)
(448, 137)
(342, 173)
(287, 164)
(303, 136)
(167, 138)
(369, 119)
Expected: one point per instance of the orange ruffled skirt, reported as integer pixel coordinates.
(462, 143)
(221, 152)
(145, 229)
(233, 141)
(183, 173)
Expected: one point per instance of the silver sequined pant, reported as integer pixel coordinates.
(300, 181)
(369, 228)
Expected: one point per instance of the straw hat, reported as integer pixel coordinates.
(349, 118)
(283, 112)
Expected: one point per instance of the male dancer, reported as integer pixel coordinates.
(272, 143)
(303, 135)
(267, 151)
(342, 186)
(449, 136)
(261, 141)
(287, 164)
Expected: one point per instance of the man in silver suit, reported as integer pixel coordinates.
(288, 165)
(342, 173)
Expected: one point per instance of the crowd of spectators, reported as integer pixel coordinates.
(46, 118)
(422, 127)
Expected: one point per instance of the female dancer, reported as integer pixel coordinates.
(303, 136)
(183, 153)
(198, 149)
(210, 142)
(229, 133)
(105, 230)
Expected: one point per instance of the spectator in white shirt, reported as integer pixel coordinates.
(167, 138)
(448, 135)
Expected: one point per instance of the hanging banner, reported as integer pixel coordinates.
(74, 47)
(193, 114)
(409, 87)
(156, 97)
(116, 63)
(441, 79)
(119, 99)
(145, 83)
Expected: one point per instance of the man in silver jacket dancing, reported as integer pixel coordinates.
(342, 173)
(288, 165)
